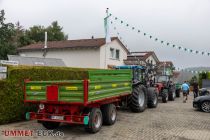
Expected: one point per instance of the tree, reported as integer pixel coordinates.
(36, 34)
(55, 32)
(193, 79)
(7, 32)
(14, 36)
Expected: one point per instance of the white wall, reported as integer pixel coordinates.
(83, 58)
(115, 45)
(151, 58)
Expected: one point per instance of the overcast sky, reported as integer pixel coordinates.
(182, 22)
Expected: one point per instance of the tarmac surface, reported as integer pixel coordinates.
(174, 120)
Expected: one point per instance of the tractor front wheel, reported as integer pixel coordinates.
(165, 96)
(152, 98)
(138, 99)
(178, 92)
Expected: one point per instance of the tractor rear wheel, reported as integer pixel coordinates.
(109, 113)
(50, 125)
(152, 98)
(165, 96)
(138, 99)
(95, 121)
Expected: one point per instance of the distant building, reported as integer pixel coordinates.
(34, 61)
(142, 58)
(165, 67)
(84, 53)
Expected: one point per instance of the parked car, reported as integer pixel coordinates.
(202, 103)
(203, 91)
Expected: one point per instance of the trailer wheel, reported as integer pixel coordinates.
(152, 98)
(50, 125)
(164, 95)
(95, 121)
(109, 113)
(138, 99)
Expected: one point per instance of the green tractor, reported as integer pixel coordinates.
(178, 89)
(149, 93)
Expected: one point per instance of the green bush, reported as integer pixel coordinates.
(202, 76)
(11, 90)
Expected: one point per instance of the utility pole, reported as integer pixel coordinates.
(164, 70)
(107, 37)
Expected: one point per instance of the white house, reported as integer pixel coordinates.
(84, 53)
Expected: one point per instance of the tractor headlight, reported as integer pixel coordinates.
(41, 106)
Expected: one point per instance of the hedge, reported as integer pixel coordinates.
(11, 94)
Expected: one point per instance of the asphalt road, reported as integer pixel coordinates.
(174, 120)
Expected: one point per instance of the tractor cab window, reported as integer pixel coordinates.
(162, 78)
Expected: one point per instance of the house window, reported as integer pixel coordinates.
(151, 62)
(114, 53)
(111, 53)
(117, 54)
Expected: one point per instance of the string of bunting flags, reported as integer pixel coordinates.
(119, 36)
(194, 71)
(162, 42)
(178, 69)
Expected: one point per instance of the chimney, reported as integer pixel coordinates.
(45, 42)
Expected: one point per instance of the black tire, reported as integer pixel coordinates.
(178, 92)
(152, 101)
(205, 106)
(50, 125)
(95, 121)
(109, 113)
(171, 95)
(165, 96)
(138, 100)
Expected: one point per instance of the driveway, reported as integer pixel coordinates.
(169, 121)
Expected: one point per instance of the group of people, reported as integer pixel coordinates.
(186, 90)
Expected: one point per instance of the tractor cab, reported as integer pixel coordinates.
(138, 72)
(164, 79)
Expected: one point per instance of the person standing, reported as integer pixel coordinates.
(185, 89)
(195, 89)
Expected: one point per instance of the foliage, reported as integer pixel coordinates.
(194, 78)
(202, 76)
(36, 34)
(7, 32)
(14, 36)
